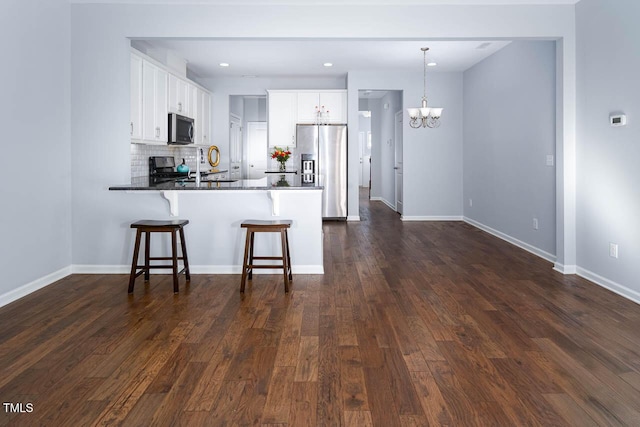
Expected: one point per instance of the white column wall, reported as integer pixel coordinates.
(35, 247)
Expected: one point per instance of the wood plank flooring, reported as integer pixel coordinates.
(413, 324)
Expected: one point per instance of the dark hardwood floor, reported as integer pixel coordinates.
(413, 324)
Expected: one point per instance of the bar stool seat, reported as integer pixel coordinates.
(259, 226)
(154, 226)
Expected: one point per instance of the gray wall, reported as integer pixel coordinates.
(509, 129)
(36, 193)
(608, 172)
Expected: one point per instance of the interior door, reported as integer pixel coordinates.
(257, 150)
(398, 161)
(365, 159)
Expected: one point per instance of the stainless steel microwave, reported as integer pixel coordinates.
(180, 129)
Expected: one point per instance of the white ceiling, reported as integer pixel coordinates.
(305, 58)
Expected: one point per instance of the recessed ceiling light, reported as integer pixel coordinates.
(328, 64)
(223, 64)
(432, 64)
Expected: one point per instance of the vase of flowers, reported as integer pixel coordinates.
(281, 156)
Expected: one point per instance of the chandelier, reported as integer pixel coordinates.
(424, 116)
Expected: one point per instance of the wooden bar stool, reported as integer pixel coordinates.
(152, 226)
(257, 226)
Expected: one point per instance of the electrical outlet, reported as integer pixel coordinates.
(535, 223)
(470, 202)
(613, 250)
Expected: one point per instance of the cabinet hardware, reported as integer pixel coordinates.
(131, 128)
(180, 107)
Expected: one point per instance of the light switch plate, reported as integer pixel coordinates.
(613, 250)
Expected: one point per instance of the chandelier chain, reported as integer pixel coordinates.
(424, 68)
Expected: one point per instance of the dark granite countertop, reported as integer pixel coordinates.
(269, 182)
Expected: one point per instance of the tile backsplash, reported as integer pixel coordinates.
(140, 154)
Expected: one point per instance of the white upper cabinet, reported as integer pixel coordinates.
(135, 125)
(203, 117)
(335, 104)
(282, 118)
(178, 96)
(155, 93)
(308, 107)
(154, 103)
(322, 107)
(192, 101)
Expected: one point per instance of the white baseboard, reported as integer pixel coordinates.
(617, 288)
(195, 269)
(430, 218)
(385, 201)
(565, 269)
(103, 269)
(353, 218)
(519, 243)
(40, 283)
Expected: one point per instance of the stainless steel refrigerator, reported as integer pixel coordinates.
(323, 158)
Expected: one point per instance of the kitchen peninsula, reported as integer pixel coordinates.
(215, 209)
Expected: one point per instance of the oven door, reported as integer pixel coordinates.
(180, 129)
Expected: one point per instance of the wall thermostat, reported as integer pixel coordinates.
(618, 120)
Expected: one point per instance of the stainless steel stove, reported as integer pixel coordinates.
(162, 169)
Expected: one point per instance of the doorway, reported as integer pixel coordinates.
(380, 137)
(256, 150)
(247, 136)
(364, 140)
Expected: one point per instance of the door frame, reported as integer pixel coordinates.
(398, 164)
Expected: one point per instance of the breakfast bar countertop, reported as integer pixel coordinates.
(269, 182)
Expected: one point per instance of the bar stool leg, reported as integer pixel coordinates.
(174, 256)
(185, 259)
(147, 246)
(286, 238)
(244, 263)
(285, 266)
(134, 262)
(250, 265)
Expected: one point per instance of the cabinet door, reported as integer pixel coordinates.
(154, 103)
(204, 117)
(150, 132)
(282, 112)
(135, 125)
(335, 103)
(308, 107)
(161, 118)
(192, 102)
(178, 90)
